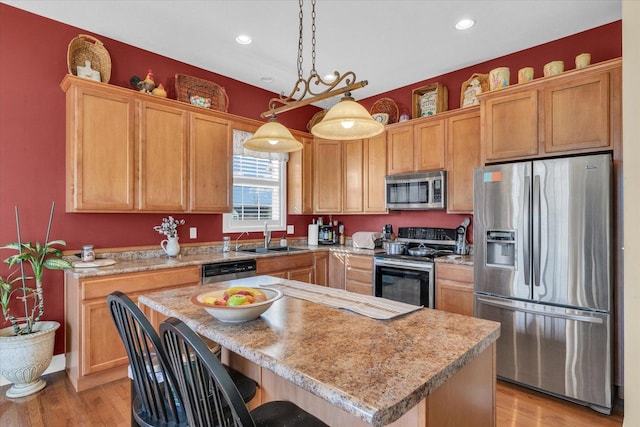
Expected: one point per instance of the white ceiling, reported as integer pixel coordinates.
(389, 43)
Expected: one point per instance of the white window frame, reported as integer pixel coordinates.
(230, 225)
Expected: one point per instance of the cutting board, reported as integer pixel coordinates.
(102, 262)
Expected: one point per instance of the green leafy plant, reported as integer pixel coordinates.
(39, 257)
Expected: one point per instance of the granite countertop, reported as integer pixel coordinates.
(376, 370)
(455, 259)
(135, 261)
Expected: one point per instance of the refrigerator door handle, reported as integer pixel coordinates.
(512, 306)
(536, 230)
(527, 231)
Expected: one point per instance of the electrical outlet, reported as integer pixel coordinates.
(193, 233)
(289, 229)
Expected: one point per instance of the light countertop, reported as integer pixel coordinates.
(376, 370)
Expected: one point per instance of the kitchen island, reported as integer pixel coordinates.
(425, 368)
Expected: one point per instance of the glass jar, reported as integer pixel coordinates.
(88, 254)
(226, 244)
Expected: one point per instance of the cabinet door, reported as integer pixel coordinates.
(400, 149)
(300, 179)
(454, 288)
(327, 183)
(510, 125)
(463, 155)
(100, 151)
(375, 169)
(162, 158)
(101, 343)
(336, 270)
(359, 274)
(576, 114)
(321, 267)
(353, 184)
(429, 145)
(210, 164)
(301, 274)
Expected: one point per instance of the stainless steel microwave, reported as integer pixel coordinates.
(425, 190)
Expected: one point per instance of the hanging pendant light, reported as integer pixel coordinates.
(347, 120)
(273, 137)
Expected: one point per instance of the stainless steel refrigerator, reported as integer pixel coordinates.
(543, 269)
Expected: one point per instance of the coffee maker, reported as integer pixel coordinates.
(387, 233)
(462, 247)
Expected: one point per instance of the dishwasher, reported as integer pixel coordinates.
(221, 271)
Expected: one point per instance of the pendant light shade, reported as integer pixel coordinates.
(347, 120)
(272, 137)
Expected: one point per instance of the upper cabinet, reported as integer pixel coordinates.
(349, 175)
(300, 179)
(463, 156)
(133, 152)
(574, 112)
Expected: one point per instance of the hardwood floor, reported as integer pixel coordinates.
(108, 405)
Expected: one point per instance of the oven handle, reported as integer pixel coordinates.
(422, 266)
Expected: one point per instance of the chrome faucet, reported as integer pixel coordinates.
(267, 235)
(238, 238)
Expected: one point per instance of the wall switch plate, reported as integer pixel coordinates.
(289, 229)
(193, 232)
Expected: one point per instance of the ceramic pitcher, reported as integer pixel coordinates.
(170, 246)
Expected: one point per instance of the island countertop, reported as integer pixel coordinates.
(376, 370)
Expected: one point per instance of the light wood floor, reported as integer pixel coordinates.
(108, 405)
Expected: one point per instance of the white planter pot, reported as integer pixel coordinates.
(23, 358)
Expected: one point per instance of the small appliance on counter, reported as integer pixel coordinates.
(366, 240)
(462, 246)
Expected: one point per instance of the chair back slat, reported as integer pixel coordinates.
(155, 385)
(209, 395)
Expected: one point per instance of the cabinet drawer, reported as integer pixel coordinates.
(458, 273)
(100, 287)
(360, 288)
(361, 262)
(283, 263)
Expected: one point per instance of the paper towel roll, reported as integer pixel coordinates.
(312, 235)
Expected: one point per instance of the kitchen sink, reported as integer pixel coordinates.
(270, 250)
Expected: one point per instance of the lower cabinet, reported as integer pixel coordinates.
(321, 268)
(292, 267)
(454, 288)
(359, 274)
(351, 272)
(94, 350)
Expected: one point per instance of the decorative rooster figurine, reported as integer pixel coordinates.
(160, 91)
(147, 85)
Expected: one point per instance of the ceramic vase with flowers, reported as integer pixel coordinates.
(26, 347)
(169, 228)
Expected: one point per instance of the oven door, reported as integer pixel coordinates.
(404, 281)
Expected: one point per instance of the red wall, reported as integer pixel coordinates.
(32, 134)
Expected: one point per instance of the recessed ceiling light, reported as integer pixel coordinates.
(243, 39)
(266, 79)
(465, 24)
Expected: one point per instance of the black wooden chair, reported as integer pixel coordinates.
(155, 395)
(210, 396)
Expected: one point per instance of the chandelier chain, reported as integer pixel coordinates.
(313, 38)
(300, 16)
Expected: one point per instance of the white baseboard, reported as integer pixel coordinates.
(58, 363)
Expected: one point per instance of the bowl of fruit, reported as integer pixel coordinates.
(237, 304)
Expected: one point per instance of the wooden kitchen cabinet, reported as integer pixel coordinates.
(463, 156)
(375, 169)
(574, 112)
(327, 176)
(429, 148)
(293, 267)
(100, 149)
(454, 288)
(210, 170)
(337, 263)
(132, 152)
(321, 268)
(300, 179)
(353, 164)
(400, 149)
(94, 351)
(359, 274)
(162, 158)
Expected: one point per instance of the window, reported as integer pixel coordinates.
(259, 189)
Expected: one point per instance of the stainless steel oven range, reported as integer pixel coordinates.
(410, 278)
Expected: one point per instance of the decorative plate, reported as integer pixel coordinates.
(381, 117)
(386, 105)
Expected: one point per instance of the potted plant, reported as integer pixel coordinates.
(26, 347)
